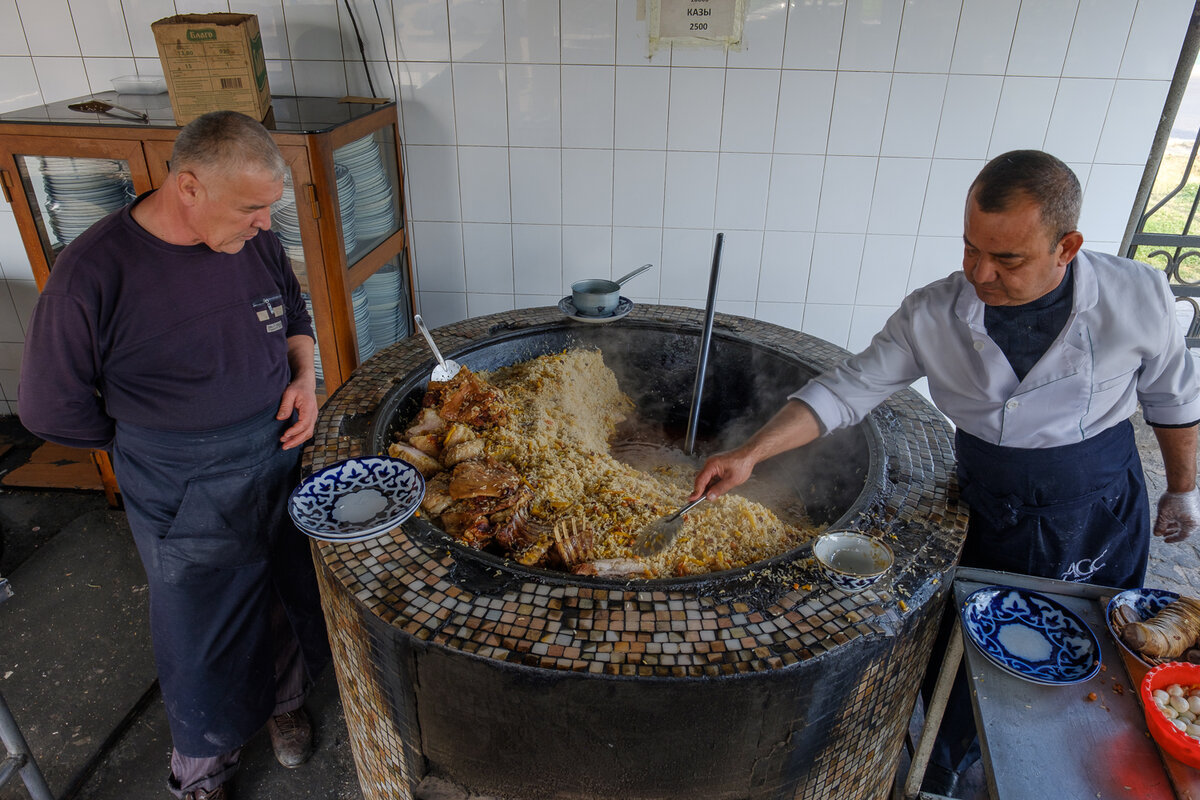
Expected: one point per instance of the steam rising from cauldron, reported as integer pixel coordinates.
(732, 407)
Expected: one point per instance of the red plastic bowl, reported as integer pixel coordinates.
(1173, 741)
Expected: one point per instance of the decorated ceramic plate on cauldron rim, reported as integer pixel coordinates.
(357, 498)
(1145, 603)
(567, 306)
(1028, 635)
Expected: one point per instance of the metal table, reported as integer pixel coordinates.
(1052, 741)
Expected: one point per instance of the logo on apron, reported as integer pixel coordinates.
(269, 312)
(1082, 571)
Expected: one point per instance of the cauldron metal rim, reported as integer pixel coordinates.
(437, 541)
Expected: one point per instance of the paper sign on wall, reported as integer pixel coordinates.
(695, 22)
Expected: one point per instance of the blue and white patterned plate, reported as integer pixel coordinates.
(1145, 603)
(1031, 636)
(357, 498)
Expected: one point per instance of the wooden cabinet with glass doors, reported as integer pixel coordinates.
(341, 219)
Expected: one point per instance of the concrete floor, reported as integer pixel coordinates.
(76, 666)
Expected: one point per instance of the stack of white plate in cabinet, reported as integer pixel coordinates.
(362, 323)
(347, 193)
(388, 305)
(285, 221)
(80, 191)
(374, 202)
(316, 346)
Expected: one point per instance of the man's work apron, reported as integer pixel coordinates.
(1078, 512)
(208, 513)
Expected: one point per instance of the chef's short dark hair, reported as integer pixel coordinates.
(1038, 176)
(226, 141)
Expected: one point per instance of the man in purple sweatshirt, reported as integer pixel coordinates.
(173, 334)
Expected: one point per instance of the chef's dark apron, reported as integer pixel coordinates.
(1077, 512)
(208, 513)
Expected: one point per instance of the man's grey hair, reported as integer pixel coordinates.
(1038, 176)
(228, 142)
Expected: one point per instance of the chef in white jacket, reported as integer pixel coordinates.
(1038, 351)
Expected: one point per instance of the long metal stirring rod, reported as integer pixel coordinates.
(689, 444)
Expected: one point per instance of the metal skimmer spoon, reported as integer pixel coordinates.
(102, 107)
(658, 534)
(446, 368)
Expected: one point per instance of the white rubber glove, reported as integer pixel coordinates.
(1178, 515)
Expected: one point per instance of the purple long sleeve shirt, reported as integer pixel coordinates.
(165, 336)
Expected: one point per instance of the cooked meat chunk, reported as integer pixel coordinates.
(437, 494)
(535, 553)
(511, 529)
(425, 464)
(458, 433)
(482, 479)
(514, 529)
(428, 443)
(428, 421)
(463, 451)
(517, 498)
(469, 399)
(612, 568)
(573, 542)
(483, 504)
(468, 527)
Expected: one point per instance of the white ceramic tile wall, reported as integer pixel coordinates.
(531, 31)
(985, 36)
(860, 104)
(12, 37)
(795, 192)
(11, 329)
(870, 32)
(1023, 115)
(763, 35)
(914, 111)
(535, 180)
(587, 179)
(585, 122)
(805, 108)
(927, 33)
(543, 143)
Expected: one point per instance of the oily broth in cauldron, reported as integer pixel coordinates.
(518, 462)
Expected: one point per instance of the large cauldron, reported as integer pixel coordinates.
(756, 683)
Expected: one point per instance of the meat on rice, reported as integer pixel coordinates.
(530, 473)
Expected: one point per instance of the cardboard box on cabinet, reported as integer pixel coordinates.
(213, 62)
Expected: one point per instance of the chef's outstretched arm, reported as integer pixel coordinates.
(793, 426)
(1179, 507)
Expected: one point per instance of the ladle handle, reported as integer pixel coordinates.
(689, 443)
(425, 332)
(636, 272)
(142, 115)
(689, 506)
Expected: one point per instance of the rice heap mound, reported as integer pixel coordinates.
(541, 485)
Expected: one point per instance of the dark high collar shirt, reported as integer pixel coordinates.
(1024, 333)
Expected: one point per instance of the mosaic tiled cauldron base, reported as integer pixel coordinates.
(521, 684)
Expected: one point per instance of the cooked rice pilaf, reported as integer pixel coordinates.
(563, 408)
